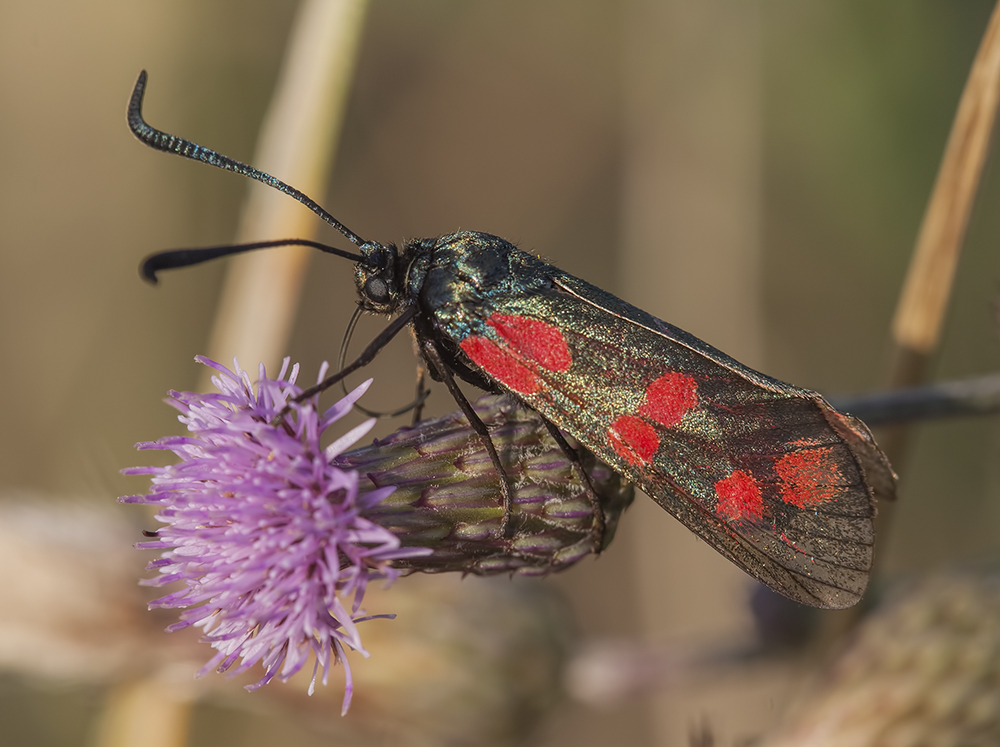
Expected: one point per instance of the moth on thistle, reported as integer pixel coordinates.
(447, 499)
(769, 474)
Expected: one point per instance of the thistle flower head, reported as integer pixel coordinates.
(448, 496)
(274, 538)
(268, 538)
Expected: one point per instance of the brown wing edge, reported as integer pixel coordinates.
(879, 477)
(834, 590)
(802, 588)
(879, 474)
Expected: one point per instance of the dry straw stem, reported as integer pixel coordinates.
(920, 312)
(916, 326)
(297, 143)
(260, 295)
(150, 712)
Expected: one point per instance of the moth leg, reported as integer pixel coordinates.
(430, 351)
(366, 357)
(576, 463)
(415, 405)
(422, 393)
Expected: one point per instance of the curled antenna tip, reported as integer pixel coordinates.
(147, 271)
(163, 141)
(138, 89)
(135, 121)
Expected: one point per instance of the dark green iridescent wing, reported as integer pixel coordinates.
(767, 473)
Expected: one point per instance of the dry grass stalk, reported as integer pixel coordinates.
(922, 305)
(258, 302)
(297, 143)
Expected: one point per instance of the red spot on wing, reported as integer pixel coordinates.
(634, 439)
(669, 398)
(808, 477)
(501, 364)
(537, 341)
(738, 497)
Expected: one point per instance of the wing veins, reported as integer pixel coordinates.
(750, 548)
(768, 561)
(660, 333)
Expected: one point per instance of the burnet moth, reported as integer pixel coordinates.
(769, 474)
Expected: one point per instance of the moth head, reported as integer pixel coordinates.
(376, 278)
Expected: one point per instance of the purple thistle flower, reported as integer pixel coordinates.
(268, 537)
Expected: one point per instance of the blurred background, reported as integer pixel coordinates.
(753, 172)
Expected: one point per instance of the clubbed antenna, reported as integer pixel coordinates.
(175, 258)
(171, 144)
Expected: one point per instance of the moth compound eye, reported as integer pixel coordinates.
(377, 290)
